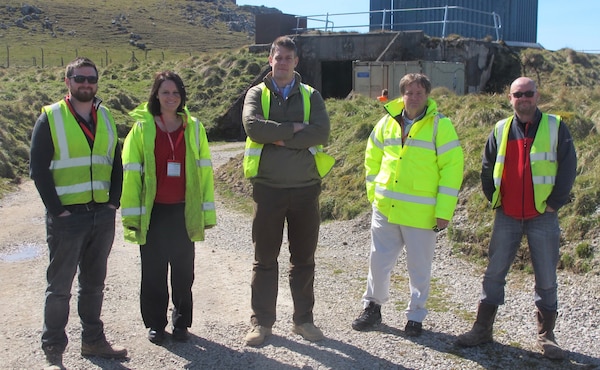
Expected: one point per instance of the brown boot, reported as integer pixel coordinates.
(102, 348)
(545, 339)
(482, 328)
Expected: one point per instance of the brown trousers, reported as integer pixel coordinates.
(272, 208)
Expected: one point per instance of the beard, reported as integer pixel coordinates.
(83, 96)
(525, 109)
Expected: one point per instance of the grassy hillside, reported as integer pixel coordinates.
(52, 32)
(219, 69)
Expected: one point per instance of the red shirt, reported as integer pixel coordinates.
(518, 200)
(169, 189)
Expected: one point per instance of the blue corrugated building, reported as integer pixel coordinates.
(507, 20)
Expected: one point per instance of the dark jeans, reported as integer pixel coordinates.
(272, 207)
(167, 244)
(82, 240)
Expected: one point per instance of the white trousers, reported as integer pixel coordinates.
(387, 241)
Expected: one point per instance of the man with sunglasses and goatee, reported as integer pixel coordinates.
(75, 163)
(529, 166)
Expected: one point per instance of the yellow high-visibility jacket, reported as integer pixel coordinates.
(139, 178)
(414, 183)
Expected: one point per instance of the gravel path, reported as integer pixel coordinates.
(222, 295)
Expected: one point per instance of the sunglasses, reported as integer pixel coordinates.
(80, 79)
(519, 94)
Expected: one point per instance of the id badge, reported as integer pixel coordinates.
(173, 168)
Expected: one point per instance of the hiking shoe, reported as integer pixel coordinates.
(53, 358)
(102, 348)
(369, 318)
(413, 328)
(309, 331)
(257, 335)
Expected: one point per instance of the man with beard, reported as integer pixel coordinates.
(528, 168)
(75, 163)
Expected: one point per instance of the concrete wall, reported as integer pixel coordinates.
(318, 49)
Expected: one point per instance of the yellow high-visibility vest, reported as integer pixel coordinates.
(81, 174)
(543, 157)
(253, 150)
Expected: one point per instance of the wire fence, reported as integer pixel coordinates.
(23, 57)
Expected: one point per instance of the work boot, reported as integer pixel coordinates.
(54, 356)
(102, 348)
(256, 336)
(482, 328)
(545, 340)
(308, 331)
(369, 318)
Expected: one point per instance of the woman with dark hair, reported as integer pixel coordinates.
(167, 201)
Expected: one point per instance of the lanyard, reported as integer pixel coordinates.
(162, 126)
(82, 123)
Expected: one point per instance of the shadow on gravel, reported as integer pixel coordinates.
(329, 353)
(334, 354)
(108, 364)
(202, 353)
(495, 355)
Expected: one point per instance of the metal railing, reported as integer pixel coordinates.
(387, 20)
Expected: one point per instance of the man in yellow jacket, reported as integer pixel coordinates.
(414, 170)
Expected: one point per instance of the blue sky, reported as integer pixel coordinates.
(560, 23)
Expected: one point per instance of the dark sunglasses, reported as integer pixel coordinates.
(519, 94)
(80, 79)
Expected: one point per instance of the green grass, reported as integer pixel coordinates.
(217, 69)
(102, 30)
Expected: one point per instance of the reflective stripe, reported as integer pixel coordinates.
(69, 162)
(253, 151)
(375, 141)
(134, 211)
(111, 134)
(392, 142)
(371, 178)
(543, 157)
(420, 144)
(204, 163)
(80, 188)
(448, 191)
(541, 180)
(405, 197)
(133, 167)
(208, 206)
(553, 127)
(448, 146)
(61, 135)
